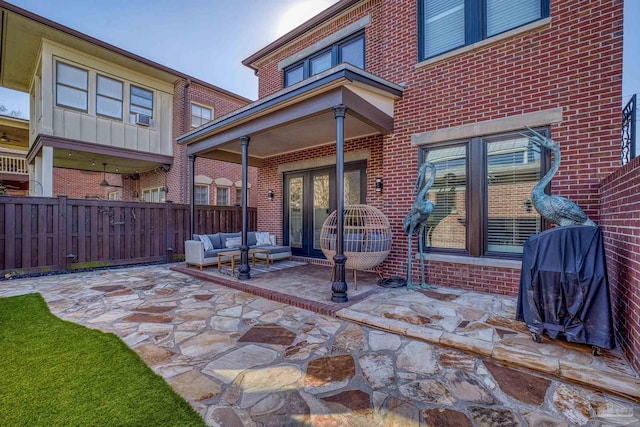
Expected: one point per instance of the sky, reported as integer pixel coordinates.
(208, 39)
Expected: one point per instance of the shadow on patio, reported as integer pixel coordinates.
(480, 323)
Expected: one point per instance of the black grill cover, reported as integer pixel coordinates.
(564, 286)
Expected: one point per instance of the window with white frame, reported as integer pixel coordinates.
(109, 94)
(72, 86)
(154, 195)
(141, 101)
(201, 195)
(200, 115)
(239, 196)
(222, 196)
(114, 195)
(482, 195)
(448, 24)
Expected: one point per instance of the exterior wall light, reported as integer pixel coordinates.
(270, 194)
(378, 185)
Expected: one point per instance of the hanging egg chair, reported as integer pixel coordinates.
(367, 237)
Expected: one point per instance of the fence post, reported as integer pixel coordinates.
(169, 231)
(62, 233)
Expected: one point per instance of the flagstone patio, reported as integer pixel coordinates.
(481, 323)
(393, 358)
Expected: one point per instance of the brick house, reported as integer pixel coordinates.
(377, 86)
(103, 121)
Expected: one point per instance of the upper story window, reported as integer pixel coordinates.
(200, 115)
(109, 94)
(201, 195)
(482, 195)
(141, 101)
(349, 50)
(72, 86)
(449, 24)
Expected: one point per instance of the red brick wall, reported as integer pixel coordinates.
(620, 222)
(78, 184)
(177, 177)
(574, 63)
(270, 211)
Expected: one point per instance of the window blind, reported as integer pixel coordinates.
(443, 25)
(512, 173)
(502, 15)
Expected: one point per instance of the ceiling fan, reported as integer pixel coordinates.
(104, 182)
(5, 138)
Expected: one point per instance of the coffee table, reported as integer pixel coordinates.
(231, 256)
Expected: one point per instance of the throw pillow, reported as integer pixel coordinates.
(215, 241)
(207, 243)
(262, 238)
(234, 242)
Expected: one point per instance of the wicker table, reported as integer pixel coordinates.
(233, 254)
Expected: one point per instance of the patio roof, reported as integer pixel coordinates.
(300, 116)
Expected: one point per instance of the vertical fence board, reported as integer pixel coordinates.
(10, 235)
(42, 235)
(27, 223)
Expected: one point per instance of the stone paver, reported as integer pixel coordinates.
(241, 360)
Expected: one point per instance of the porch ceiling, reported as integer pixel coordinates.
(72, 154)
(300, 117)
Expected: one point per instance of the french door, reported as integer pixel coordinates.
(310, 198)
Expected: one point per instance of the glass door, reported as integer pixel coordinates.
(295, 213)
(310, 199)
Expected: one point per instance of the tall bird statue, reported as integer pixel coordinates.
(558, 210)
(416, 220)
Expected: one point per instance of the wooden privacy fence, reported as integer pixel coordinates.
(41, 234)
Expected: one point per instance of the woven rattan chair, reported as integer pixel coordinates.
(367, 238)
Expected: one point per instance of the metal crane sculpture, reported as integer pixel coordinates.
(556, 209)
(416, 220)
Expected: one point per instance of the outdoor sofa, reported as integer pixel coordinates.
(203, 250)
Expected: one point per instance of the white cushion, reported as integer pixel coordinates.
(234, 242)
(208, 246)
(262, 238)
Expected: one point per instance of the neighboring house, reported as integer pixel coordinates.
(14, 174)
(103, 121)
(455, 82)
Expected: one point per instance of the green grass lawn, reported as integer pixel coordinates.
(57, 373)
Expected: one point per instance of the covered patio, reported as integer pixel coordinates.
(342, 103)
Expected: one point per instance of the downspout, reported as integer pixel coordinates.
(185, 126)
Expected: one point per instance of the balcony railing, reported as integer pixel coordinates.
(12, 164)
(629, 150)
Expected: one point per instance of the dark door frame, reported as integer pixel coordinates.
(307, 203)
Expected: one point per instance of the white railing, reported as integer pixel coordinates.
(11, 164)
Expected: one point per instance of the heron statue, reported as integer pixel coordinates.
(556, 209)
(416, 220)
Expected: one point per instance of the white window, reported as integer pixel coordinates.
(109, 97)
(239, 196)
(141, 101)
(201, 195)
(200, 115)
(154, 195)
(114, 195)
(71, 86)
(222, 196)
